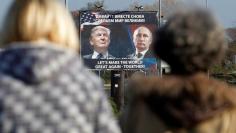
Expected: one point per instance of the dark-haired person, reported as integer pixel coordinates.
(187, 100)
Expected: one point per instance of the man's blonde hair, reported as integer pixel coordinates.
(33, 20)
(99, 27)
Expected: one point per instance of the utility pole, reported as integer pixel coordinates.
(66, 4)
(159, 24)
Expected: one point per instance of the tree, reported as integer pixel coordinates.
(167, 6)
(147, 7)
(96, 6)
(226, 70)
(231, 34)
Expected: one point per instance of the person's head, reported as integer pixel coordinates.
(190, 41)
(100, 38)
(36, 20)
(142, 38)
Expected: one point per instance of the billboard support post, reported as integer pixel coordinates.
(117, 88)
(160, 13)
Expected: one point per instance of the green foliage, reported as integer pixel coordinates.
(225, 73)
(115, 109)
(222, 69)
(227, 65)
(106, 76)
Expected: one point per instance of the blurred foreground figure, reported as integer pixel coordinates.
(187, 100)
(44, 88)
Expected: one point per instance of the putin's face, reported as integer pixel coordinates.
(100, 39)
(142, 38)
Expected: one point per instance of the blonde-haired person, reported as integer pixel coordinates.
(186, 100)
(37, 20)
(43, 84)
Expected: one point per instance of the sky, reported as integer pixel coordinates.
(223, 9)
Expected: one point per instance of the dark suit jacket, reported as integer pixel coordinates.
(89, 56)
(148, 54)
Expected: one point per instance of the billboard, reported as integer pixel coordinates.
(117, 40)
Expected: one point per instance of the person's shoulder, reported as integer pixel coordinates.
(89, 56)
(140, 84)
(111, 56)
(149, 54)
(85, 77)
(130, 55)
(175, 85)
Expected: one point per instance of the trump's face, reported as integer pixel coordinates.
(100, 39)
(142, 38)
